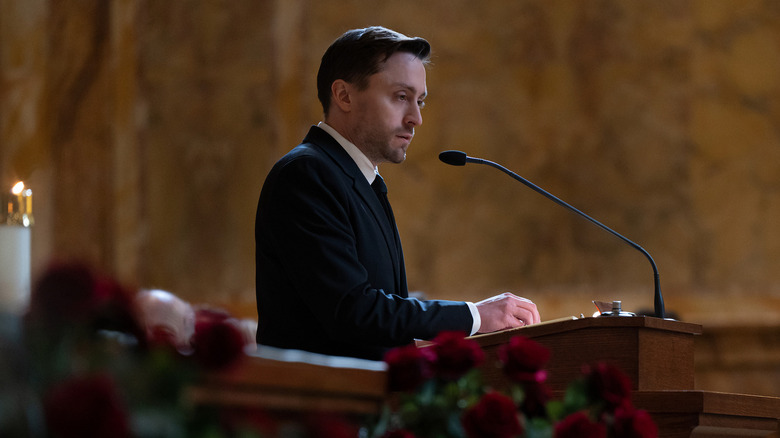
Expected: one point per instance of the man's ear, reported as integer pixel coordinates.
(340, 93)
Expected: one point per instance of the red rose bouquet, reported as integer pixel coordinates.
(603, 396)
(439, 393)
(433, 384)
(95, 371)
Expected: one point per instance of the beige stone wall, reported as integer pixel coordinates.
(146, 128)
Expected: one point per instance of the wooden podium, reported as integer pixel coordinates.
(658, 356)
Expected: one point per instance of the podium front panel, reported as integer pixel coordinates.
(656, 354)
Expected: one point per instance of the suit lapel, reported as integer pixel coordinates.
(365, 192)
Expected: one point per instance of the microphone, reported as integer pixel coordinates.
(458, 158)
(454, 158)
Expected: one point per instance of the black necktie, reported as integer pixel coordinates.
(381, 192)
(380, 189)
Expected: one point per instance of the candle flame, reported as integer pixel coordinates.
(18, 187)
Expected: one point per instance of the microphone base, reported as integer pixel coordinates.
(616, 314)
(616, 307)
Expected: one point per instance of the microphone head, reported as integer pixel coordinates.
(453, 158)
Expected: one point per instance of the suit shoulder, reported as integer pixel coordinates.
(318, 156)
(311, 146)
(306, 157)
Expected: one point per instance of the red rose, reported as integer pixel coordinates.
(408, 367)
(493, 416)
(116, 310)
(71, 294)
(63, 293)
(84, 408)
(523, 359)
(217, 342)
(455, 355)
(331, 426)
(578, 425)
(608, 384)
(534, 402)
(207, 316)
(634, 423)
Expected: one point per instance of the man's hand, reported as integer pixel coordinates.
(506, 311)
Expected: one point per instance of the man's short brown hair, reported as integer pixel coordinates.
(360, 53)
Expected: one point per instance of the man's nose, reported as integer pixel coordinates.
(414, 118)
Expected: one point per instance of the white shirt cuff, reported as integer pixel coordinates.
(475, 317)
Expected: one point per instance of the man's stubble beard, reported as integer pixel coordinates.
(378, 149)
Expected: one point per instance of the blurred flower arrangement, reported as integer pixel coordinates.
(95, 359)
(89, 362)
(440, 394)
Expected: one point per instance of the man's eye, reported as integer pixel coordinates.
(401, 97)
(421, 104)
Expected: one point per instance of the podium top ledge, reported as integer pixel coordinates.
(273, 369)
(572, 323)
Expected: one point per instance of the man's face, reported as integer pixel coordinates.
(388, 110)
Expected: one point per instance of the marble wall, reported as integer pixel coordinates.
(146, 129)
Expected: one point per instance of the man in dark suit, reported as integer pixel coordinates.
(330, 269)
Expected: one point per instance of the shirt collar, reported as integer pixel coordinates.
(364, 164)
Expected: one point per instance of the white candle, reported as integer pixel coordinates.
(15, 249)
(14, 268)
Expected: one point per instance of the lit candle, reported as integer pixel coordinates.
(15, 221)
